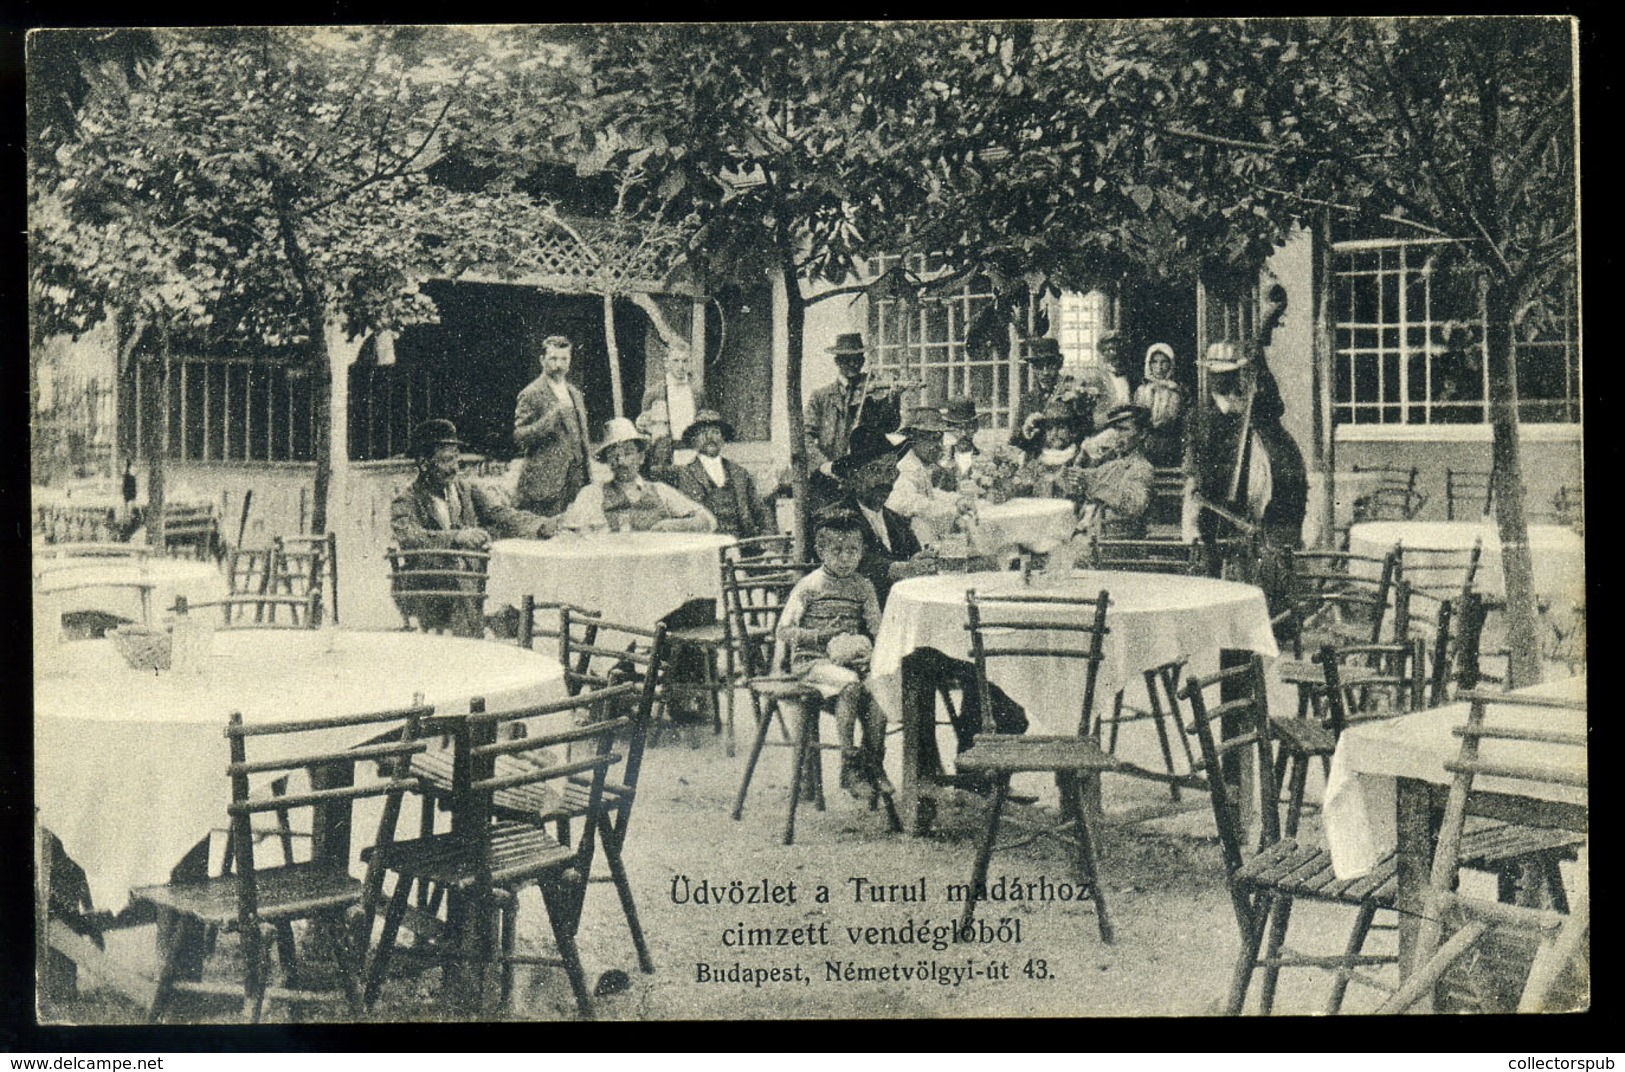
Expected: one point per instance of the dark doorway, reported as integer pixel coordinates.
(1155, 312)
(739, 362)
(472, 365)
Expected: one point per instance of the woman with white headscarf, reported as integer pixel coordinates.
(1162, 395)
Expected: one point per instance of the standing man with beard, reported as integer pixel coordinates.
(550, 426)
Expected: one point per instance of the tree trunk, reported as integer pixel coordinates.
(321, 362)
(1497, 304)
(795, 320)
(157, 445)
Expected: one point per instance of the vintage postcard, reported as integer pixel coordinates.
(840, 520)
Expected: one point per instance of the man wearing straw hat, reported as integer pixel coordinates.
(627, 502)
(931, 510)
(721, 486)
(836, 409)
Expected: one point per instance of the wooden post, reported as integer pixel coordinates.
(1325, 343)
(615, 389)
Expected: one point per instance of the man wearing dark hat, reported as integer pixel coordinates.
(917, 496)
(440, 509)
(835, 410)
(719, 485)
(867, 474)
(550, 426)
(959, 445)
(1043, 355)
(1115, 486)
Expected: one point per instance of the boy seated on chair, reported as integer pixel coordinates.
(826, 636)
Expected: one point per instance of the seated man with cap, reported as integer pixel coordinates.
(627, 502)
(1114, 485)
(867, 475)
(721, 486)
(916, 496)
(1043, 354)
(442, 510)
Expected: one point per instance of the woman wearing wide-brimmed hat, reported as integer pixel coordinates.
(627, 502)
(721, 486)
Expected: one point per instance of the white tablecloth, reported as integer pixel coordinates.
(634, 578)
(62, 583)
(1152, 619)
(1557, 554)
(130, 767)
(1039, 525)
(1359, 816)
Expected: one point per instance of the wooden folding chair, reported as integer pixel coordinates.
(440, 590)
(261, 904)
(304, 564)
(1393, 495)
(486, 859)
(1059, 627)
(1467, 494)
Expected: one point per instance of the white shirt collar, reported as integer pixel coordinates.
(713, 468)
(877, 521)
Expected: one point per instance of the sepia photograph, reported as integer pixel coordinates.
(807, 521)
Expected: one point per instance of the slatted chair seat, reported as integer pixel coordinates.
(434, 772)
(519, 851)
(994, 751)
(291, 892)
(1488, 848)
(1304, 736)
(1306, 871)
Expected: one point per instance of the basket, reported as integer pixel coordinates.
(143, 647)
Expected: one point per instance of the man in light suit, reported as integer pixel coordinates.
(441, 510)
(550, 426)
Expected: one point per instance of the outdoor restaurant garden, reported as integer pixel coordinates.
(804, 521)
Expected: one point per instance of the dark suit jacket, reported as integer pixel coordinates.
(413, 521)
(755, 519)
(554, 440)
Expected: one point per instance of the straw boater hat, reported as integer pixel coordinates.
(849, 344)
(708, 418)
(618, 430)
(1043, 351)
(433, 433)
(961, 411)
(1223, 357)
(925, 419)
(868, 445)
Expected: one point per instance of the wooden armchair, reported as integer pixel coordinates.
(261, 904)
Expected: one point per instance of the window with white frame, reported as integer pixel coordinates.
(1081, 319)
(1410, 343)
(956, 343)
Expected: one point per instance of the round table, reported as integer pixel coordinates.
(130, 766)
(1039, 525)
(1557, 554)
(632, 578)
(90, 584)
(1152, 619)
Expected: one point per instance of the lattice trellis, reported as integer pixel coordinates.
(596, 256)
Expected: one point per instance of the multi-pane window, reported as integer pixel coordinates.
(1410, 341)
(1081, 319)
(956, 343)
(224, 409)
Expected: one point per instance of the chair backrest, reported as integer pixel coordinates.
(191, 528)
(1531, 761)
(1062, 627)
(554, 755)
(777, 547)
(1393, 495)
(1423, 615)
(1372, 678)
(1467, 494)
(1352, 587)
(599, 655)
(306, 744)
(427, 583)
(1147, 556)
(249, 569)
(71, 552)
(545, 618)
(256, 611)
(1446, 573)
(753, 598)
(1228, 729)
(308, 564)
